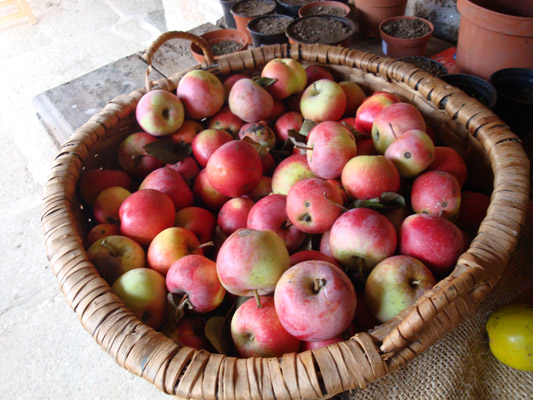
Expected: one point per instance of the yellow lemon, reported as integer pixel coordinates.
(510, 330)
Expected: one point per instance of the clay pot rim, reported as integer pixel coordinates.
(496, 14)
(348, 22)
(273, 2)
(386, 36)
(219, 35)
(261, 17)
(328, 3)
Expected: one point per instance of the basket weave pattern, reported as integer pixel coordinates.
(187, 373)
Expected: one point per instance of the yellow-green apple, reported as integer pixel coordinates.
(235, 168)
(206, 142)
(473, 210)
(188, 168)
(323, 100)
(251, 261)
(315, 300)
(270, 213)
(367, 177)
(189, 331)
(107, 204)
(449, 160)
(355, 96)
(100, 231)
(144, 214)
(291, 170)
(198, 220)
(144, 292)
(434, 240)
(322, 343)
(257, 331)
(94, 181)
(230, 81)
(160, 112)
(201, 93)
(315, 72)
(370, 108)
(393, 121)
(249, 101)
(330, 147)
(263, 188)
(394, 284)
(114, 255)
(206, 194)
(286, 122)
(290, 77)
(234, 214)
(187, 132)
(225, 120)
(133, 157)
(436, 193)
(360, 238)
(313, 205)
(170, 245)
(260, 133)
(169, 181)
(196, 277)
(307, 255)
(411, 153)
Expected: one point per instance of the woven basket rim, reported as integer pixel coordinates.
(367, 356)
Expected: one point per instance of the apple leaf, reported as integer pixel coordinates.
(284, 152)
(217, 333)
(387, 200)
(307, 126)
(167, 151)
(262, 150)
(297, 139)
(264, 81)
(356, 134)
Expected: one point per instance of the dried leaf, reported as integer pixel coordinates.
(307, 126)
(264, 81)
(387, 200)
(262, 150)
(216, 332)
(167, 151)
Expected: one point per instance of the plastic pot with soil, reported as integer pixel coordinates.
(221, 42)
(475, 87)
(269, 29)
(405, 36)
(435, 68)
(323, 29)
(245, 10)
(324, 7)
(291, 7)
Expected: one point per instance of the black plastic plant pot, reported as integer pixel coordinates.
(475, 87)
(287, 8)
(228, 16)
(515, 97)
(427, 64)
(260, 37)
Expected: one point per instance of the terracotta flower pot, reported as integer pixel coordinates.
(370, 13)
(401, 47)
(261, 38)
(294, 36)
(494, 35)
(343, 9)
(242, 18)
(217, 37)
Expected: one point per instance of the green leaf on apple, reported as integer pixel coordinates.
(167, 151)
(386, 201)
(264, 81)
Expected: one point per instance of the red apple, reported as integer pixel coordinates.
(134, 159)
(370, 108)
(411, 153)
(206, 194)
(144, 214)
(230, 81)
(315, 72)
(289, 171)
(263, 188)
(94, 181)
(100, 231)
(159, 112)
(313, 205)
(394, 284)
(107, 204)
(188, 169)
(260, 133)
(189, 331)
(169, 181)
(206, 142)
(227, 121)
(307, 255)
(187, 132)
(315, 300)
(196, 277)
(355, 96)
(234, 169)
(473, 210)
(289, 75)
(436, 193)
(234, 214)
(249, 101)
(201, 93)
(365, 147)
(268, 164)
(449, 160)
(257, 331)
(198, 220)
(323, 100)
(322, 343)
(277, 110)
(289, 120)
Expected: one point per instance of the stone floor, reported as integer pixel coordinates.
(46, 353)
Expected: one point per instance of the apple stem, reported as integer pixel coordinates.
(257, 300)
(206, 244)
(299, 146)
(111, 249)
(415, 283)
(318, 284)
(180, 309)
(337, 204)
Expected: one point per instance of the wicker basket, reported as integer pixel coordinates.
(497, 163)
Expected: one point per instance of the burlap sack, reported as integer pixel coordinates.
(460, 365)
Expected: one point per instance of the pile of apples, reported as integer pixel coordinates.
(260, 215)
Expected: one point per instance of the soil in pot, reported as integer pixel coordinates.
(252, 8)
(320, 29)
(339, 12)
(272, 25)
(406, 28)
(225, 47)
(297, 2)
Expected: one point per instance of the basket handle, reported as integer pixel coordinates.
(165, 37)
